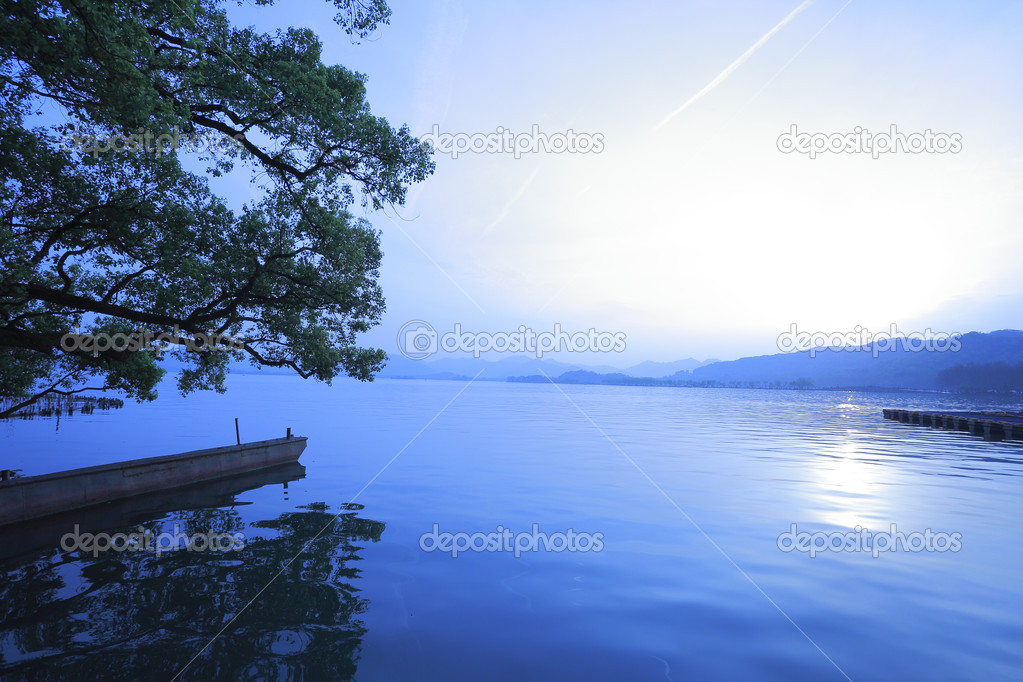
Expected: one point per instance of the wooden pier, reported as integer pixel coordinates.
(989, 425)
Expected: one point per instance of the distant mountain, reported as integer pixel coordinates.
(975, 362)
(400, 367)
(1000, 377)
(664, 369)
(586, 377)
(900, 367)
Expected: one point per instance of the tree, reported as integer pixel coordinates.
(104, 230)
(148, 611)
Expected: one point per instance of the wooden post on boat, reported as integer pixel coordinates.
(237, 435)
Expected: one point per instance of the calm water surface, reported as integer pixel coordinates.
(690, 489)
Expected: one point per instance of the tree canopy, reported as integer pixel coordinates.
(105, 232)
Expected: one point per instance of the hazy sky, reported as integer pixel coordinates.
(690, 231)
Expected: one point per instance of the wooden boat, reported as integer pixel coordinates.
(31, 497)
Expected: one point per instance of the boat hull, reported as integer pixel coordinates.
(32, 497)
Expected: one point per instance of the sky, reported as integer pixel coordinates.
(689, 231)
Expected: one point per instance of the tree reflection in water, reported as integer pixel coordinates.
(136, 615)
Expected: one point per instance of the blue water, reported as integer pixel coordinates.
(689, 489)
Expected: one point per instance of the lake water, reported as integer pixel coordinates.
(685, 491)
